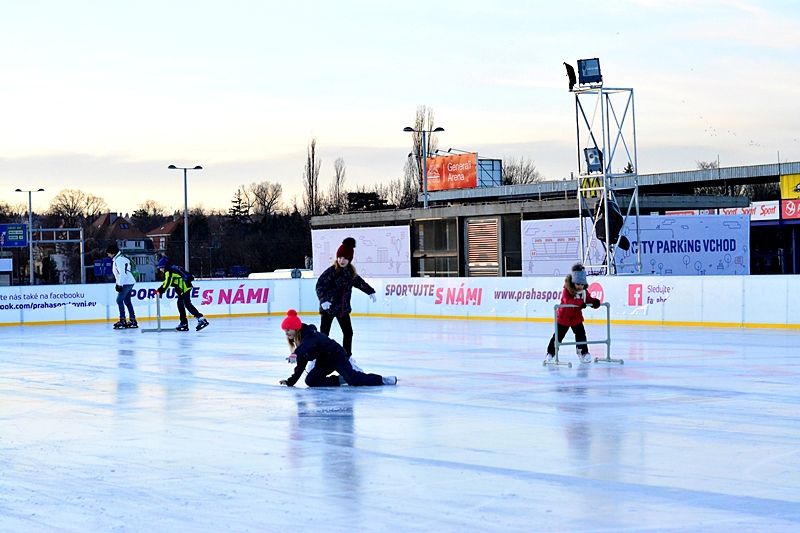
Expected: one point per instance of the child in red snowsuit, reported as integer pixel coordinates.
(574, 293)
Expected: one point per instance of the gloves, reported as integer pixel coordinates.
(596, 304)
(325, 306)
(373, 298)
(292, 359)
(285, 382)
(583, 305)
(118, 288)
(161, 291)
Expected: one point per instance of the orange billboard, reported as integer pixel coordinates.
(452, 172)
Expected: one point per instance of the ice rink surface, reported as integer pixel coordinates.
(104, 430)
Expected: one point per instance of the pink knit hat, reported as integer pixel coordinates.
(292, 321)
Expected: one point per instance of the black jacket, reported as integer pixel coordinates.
(337, 287)
(318, 347)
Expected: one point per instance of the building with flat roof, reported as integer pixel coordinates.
(461, 226)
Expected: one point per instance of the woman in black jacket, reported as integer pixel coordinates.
(334, 288)
(307, 344)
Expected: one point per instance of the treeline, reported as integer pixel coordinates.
(259, 231)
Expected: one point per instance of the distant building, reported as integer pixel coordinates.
(161, 235)
(112, 228)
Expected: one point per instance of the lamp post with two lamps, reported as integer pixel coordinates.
(185, 212)
(424, 133)
(30, 228)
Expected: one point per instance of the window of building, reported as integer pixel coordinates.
(511, 254)
(436, 253)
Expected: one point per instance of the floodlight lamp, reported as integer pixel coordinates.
(594, 159)
(589, 72)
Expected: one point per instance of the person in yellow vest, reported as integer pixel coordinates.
(181, 282)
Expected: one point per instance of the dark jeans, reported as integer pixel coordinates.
(184, 303)
(347, 329)
(318, 376)
(580, 337)
(124, 300)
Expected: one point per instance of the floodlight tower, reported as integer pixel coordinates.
(607, 163)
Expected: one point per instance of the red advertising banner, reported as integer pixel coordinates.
(452, 172)
(790, 209)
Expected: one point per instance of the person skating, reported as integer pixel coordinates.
(308, 344)
(574, 293)
(334, 289)
(181, 281)
(124, 282)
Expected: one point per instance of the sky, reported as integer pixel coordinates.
(103, 95)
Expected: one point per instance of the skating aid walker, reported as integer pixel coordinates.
(158, 328)
(606, 341)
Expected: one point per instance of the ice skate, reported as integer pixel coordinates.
(389, 380)
(133, 324)
(355, 365)
(585, 357)
(121, 324)
(201, 323)
(182, 327)
(549, 359)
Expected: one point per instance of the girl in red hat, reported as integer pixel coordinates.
(334, 288)
(576, 295)
(307, 344)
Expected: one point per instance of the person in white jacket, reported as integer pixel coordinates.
(125, 281)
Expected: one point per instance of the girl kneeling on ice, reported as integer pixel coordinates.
(307, 344)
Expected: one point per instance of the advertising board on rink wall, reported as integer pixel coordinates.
(735, 301)
(381, 251)
(674, 245)
(97, 302)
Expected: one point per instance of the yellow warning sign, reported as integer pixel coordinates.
(589, 182)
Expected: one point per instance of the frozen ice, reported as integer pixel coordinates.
(104, 430)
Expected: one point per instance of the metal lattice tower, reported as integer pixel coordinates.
(605, 151)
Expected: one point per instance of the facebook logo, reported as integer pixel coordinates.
(635, 294)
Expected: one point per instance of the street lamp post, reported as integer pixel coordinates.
(30, 228)
(424, 160)
(185, 212)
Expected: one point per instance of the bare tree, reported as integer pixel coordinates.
(151, 208)
(337, 196)
(402, 192)
(12, 212)
(707, 165)
(723, 188)
(422, 121)
(73, 206)
(264, 197)
(312, 201)
(520, 171)
(148, 215)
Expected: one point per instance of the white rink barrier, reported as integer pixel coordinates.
(712, 301)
